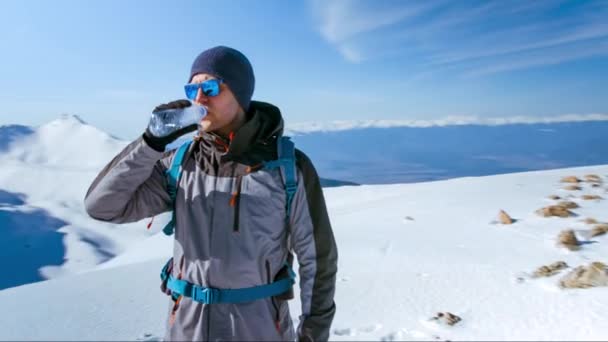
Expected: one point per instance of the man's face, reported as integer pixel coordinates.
(221, 109)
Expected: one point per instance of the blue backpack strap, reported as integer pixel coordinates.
(209, 295)
(287, 152)
(173, 174)
(287, 163)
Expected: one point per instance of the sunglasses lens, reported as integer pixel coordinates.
(191, 90)
(211, 88)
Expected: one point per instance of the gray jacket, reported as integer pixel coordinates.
(230, 229)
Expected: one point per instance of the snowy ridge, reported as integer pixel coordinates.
(45, 174)
(310, 127)
(65, 142)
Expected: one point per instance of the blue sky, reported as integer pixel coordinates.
(111, 62)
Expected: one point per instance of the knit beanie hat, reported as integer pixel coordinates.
(231, 66)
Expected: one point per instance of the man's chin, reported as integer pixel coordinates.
(205, 126)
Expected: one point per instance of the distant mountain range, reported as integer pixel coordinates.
(413, 154)
(375, 152)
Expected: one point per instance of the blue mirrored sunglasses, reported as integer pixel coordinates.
(210, 88)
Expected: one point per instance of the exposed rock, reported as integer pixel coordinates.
(591, 197)
(547, 271)
(570, 179)
(590, 220)
(593, 178)
(599, 229)
(568, 239)
(568, 204)
(554, 197)
(572, 187)
(447, 318)
(554, 210)
(504, 218)
(595, 274)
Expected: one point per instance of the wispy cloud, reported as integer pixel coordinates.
(527, 61)
(473, 37)
(341, 21)
(574, 35)
(350, 52)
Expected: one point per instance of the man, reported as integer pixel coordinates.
(234, 228)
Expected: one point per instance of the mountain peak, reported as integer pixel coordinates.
(71, 118)
(67, 141)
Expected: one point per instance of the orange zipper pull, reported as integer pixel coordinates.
(150, 223)
(174, 311)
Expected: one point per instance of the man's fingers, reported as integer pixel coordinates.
(173, 105)
(183, 103)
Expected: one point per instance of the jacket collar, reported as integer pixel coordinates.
(263, 126)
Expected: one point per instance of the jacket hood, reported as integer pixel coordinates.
(264, 125)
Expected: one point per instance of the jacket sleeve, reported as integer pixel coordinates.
(313, 242)
(131, 187)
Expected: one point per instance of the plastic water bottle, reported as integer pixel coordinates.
(163, 123)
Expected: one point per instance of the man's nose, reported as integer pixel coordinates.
(201, 98)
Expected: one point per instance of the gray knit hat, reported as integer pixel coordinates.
(231, 66)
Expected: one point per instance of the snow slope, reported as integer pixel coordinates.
(44, 177)
(406, 252)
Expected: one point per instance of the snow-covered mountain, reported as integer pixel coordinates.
(407, 251)
(44, 176)
(67, 142)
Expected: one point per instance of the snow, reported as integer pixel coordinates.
(119, 304)
(396, 273)
(406, 252)
(44, 177)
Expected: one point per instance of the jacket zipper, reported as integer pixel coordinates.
(225, 146)
(235, 201)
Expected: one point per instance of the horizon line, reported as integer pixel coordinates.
(343, 125)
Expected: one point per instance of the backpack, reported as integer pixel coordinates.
(177, 287)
